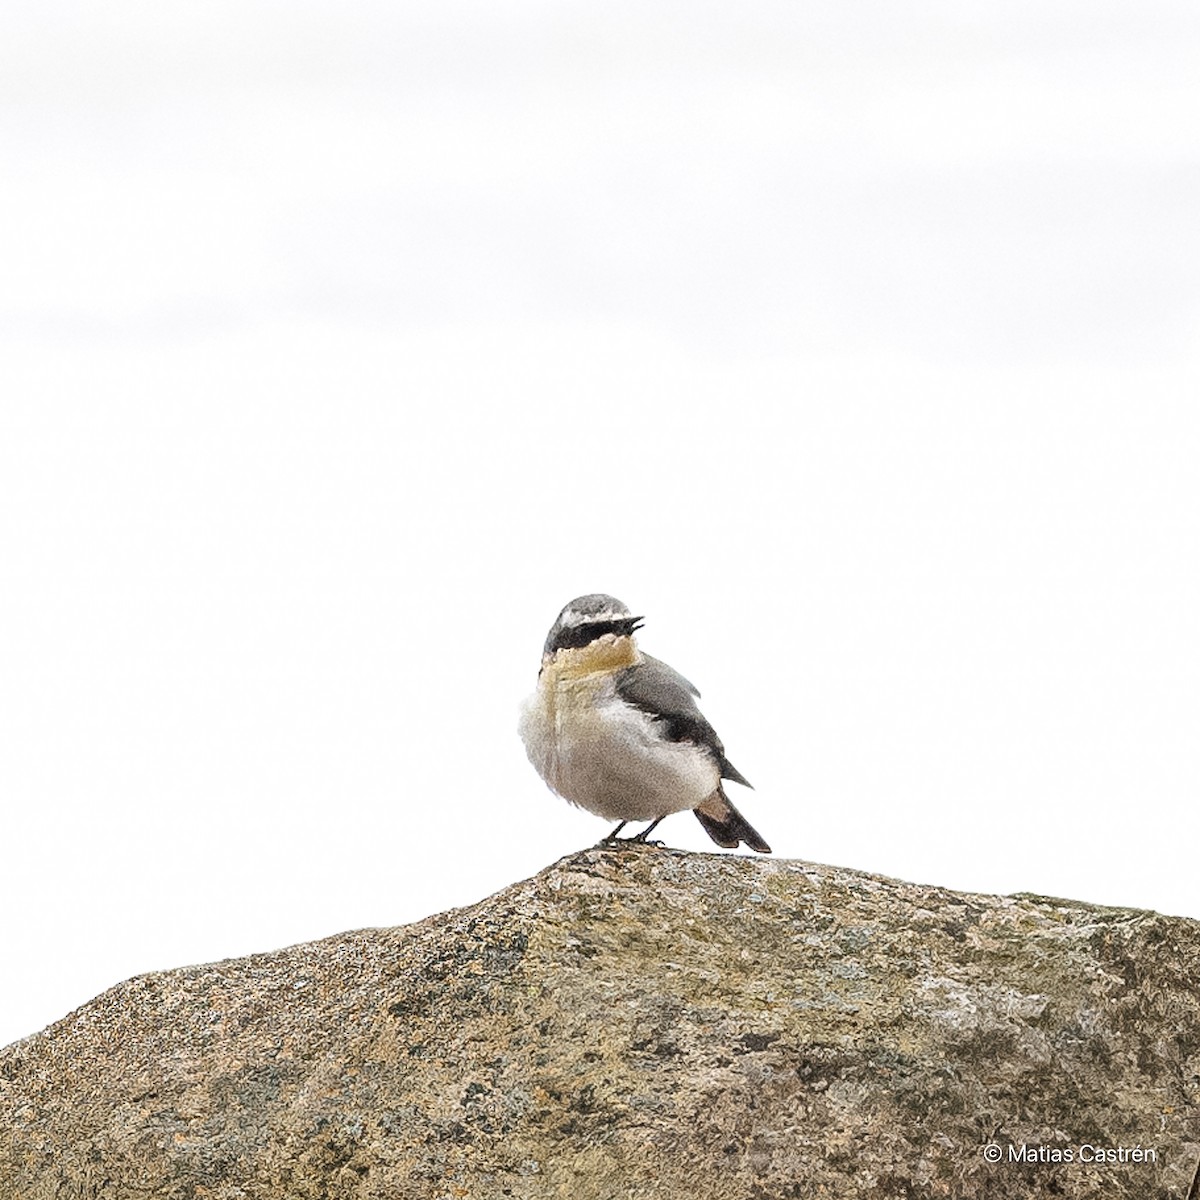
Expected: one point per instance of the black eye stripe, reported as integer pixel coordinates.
(575, 636)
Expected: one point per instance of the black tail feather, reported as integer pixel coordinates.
(726, 826)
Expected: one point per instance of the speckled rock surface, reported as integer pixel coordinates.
(635, 1023)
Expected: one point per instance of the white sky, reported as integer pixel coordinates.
(856, 346)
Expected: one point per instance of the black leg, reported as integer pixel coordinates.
(612, 837)
(641, 837)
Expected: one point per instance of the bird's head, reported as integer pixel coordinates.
(588, 620)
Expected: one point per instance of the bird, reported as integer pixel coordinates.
(618, 733)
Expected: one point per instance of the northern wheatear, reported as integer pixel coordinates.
(619, 733)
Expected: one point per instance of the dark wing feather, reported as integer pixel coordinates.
(662, 692)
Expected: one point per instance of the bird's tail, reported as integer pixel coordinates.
(725, 825)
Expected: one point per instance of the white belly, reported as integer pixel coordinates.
(599, 753)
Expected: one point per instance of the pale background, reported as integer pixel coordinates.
(855, 345)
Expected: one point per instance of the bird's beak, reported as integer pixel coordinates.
(635, 623)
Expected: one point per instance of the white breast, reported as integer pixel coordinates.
(602, 754)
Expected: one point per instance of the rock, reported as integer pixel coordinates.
(639, 1022)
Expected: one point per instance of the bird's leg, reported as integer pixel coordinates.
(612, 837)
(641, 837)
(613, 840)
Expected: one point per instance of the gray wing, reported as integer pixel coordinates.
(662, 692)
(654, 668)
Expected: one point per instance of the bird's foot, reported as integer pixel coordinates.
(645, 834)
(641, 838)
(612, 839)
(645, 841)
